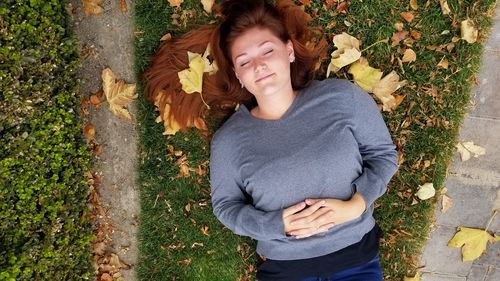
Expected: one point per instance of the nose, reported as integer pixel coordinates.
(259, 65)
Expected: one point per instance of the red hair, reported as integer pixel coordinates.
(222, 90)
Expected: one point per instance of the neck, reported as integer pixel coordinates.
(273, 107)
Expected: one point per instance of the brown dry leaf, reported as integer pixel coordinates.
(384, 89)
(399, 26)
(364, 75)
(95, 101)
(409, 56)
(444, 7)
(188, 207)
(415, 34)
(166, 37)
(443, 63)
(414, 4)
(106, 277)
(123, 6)
(207, 5)
(118, 94)
(407, 16)
(91, 7)
(175, 3)
(342, 7)
(306, 3)
(347, 52)
(398, 36)
(89, 132)
(468, 31)
(185, 262)
(205, 230)
(446, 203)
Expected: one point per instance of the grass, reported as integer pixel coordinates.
(425, 128)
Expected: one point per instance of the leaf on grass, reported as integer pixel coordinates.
(166, 37)
(407, 16)
(118, 93)
(414, 278)
(384, 89)
(364, 75)
(175, 3)
(398, 36)
(472, 240)
(409, 56)
(347, 52)
(414, 4)
(466, 148)
(468, 31)
(446, 203)
(306, 3)
(207, 5)
(443, 63)
(444, 7)
(426, 191)
(91, 7)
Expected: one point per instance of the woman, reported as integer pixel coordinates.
(298, 169)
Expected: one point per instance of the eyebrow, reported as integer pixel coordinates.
(262, 43)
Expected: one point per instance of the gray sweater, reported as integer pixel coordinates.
(330, 143)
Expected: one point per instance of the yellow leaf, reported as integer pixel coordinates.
(207, 5)
(497, 238)
(175, 3)
(119, 94)
(409, 56)
(192, 77)
(414, 278)
(91, 7)
(468, 31)
(444, 7)
(171, 125)
(472, 240)
(426, 191)
(341, 59)
(385, 87)
(345, 41)
(364, 75)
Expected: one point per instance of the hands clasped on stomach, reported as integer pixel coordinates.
(313, 216)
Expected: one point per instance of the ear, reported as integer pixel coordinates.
(289, 47)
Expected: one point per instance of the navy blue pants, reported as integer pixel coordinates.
(369, 271)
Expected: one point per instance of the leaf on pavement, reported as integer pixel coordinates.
(89, 132)
(444, 7)
(468, 31)
(347, 52)
(426, 191)
(409, 56)
(414, 278)
(91, 7)
(446, 203)
(207, 5)
(472, 240)
(175, 3)
(364, 75)
(123, 6)
(466, 148)
(384, 89)
(119, 94)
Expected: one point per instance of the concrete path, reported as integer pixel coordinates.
(473, 185)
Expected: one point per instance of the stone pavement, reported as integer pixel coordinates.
(473, 185)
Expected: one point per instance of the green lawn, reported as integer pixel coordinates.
(424, 126)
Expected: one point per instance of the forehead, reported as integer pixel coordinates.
(252, 38)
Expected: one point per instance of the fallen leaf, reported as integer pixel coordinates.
(123, 6)
(192, 78)
(465, 149)
(171, 125)
(444, 7)
(415, 34)
(95, 101)
(166, 37)
(472, 240)
(175, 3)
(342, 7)
(185, 262)
(91, 7)
(106, 277)
(407, 16)
(443, 63)
(346, 53)
(384, 89)
(306, 3)
(414, 4)
(364, 75)
(414, 278)
(409, 56)
(118, 93)
(399, 26)
(205, 230)
(426, 191)
(468, 31)
(398, 36)
(207, 5)
(89, 132)
(464, 153)
(446, 203)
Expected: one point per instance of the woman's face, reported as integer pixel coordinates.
(262, 62)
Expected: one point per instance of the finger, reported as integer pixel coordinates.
(294, 209)
(312, 232)
(311, 201)
(311, 218)
(313, 208)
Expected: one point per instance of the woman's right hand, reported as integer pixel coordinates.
(311, 226)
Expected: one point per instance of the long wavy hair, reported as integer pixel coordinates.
(222, 90)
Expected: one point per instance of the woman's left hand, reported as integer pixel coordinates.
(340, 212)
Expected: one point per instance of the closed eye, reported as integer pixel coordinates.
(268, 52)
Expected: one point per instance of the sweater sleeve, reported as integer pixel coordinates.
(231, 204)
(380, 159)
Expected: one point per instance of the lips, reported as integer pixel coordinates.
(264, 77)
